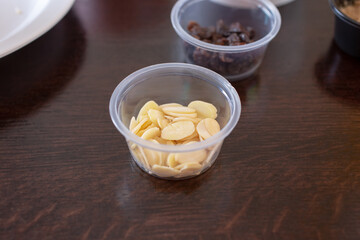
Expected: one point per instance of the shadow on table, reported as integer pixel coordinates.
(338, 73)
(33, 75)
(247, 88)
(103, 17)
(144, 193)
(172, 186)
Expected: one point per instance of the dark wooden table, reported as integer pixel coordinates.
(289, 170)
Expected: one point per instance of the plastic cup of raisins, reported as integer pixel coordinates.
(229, 37)
(174, 83)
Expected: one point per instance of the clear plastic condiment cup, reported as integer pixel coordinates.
(174, 83)
(233, 62)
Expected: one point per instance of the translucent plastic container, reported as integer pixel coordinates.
(281, 2)
(174, 83)
(233, 62)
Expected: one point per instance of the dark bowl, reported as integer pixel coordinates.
(347, 30)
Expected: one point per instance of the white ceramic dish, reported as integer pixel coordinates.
(235, 3)
(23, 21)
(281, 2)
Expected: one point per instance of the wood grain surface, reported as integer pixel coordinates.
(289, 170)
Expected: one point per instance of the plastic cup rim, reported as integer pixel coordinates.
(115, 115)
(183, 34)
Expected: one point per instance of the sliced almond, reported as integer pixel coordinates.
(170, 105)
(204, 109)
(197, 156)
(155, 115)
(202, 131)
(178, 130)
(140, 125)
(180, 112)
(190, 141)
(163, 171)
(171, 162)
(185, 115)
(154, 141)
(192, 136)
(133, 123)
(189, 169)
(170, 118)
(163, 158)
(188, 165)
(141, 132)
(214, 150)
(160, 140)
(151, 133)
(163, 141)
(169, 142)
(147, 106)
(152, 157)
(143, 158)
(162, 155)
(144, 128)
(162, 122)
(132, 145)
(140, 118)
(194, 120)
(148, 124)
(212, 126)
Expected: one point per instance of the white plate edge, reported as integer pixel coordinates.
(31, 32)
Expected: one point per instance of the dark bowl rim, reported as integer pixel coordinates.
(341, 15)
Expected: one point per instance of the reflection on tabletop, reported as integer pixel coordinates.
(44, 62)
(338, 73)
(248, 88)
(166, 186)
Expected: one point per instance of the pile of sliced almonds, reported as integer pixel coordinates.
(174, 124)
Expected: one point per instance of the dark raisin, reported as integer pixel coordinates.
(251, 33)
(225, 58)
(244, 38)
(233, 39)
(210, 32)
(236, 28)
(191, 25)
(200, 56)
(222, 41)
(203, 33)
(222, 29)
(222, 34)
